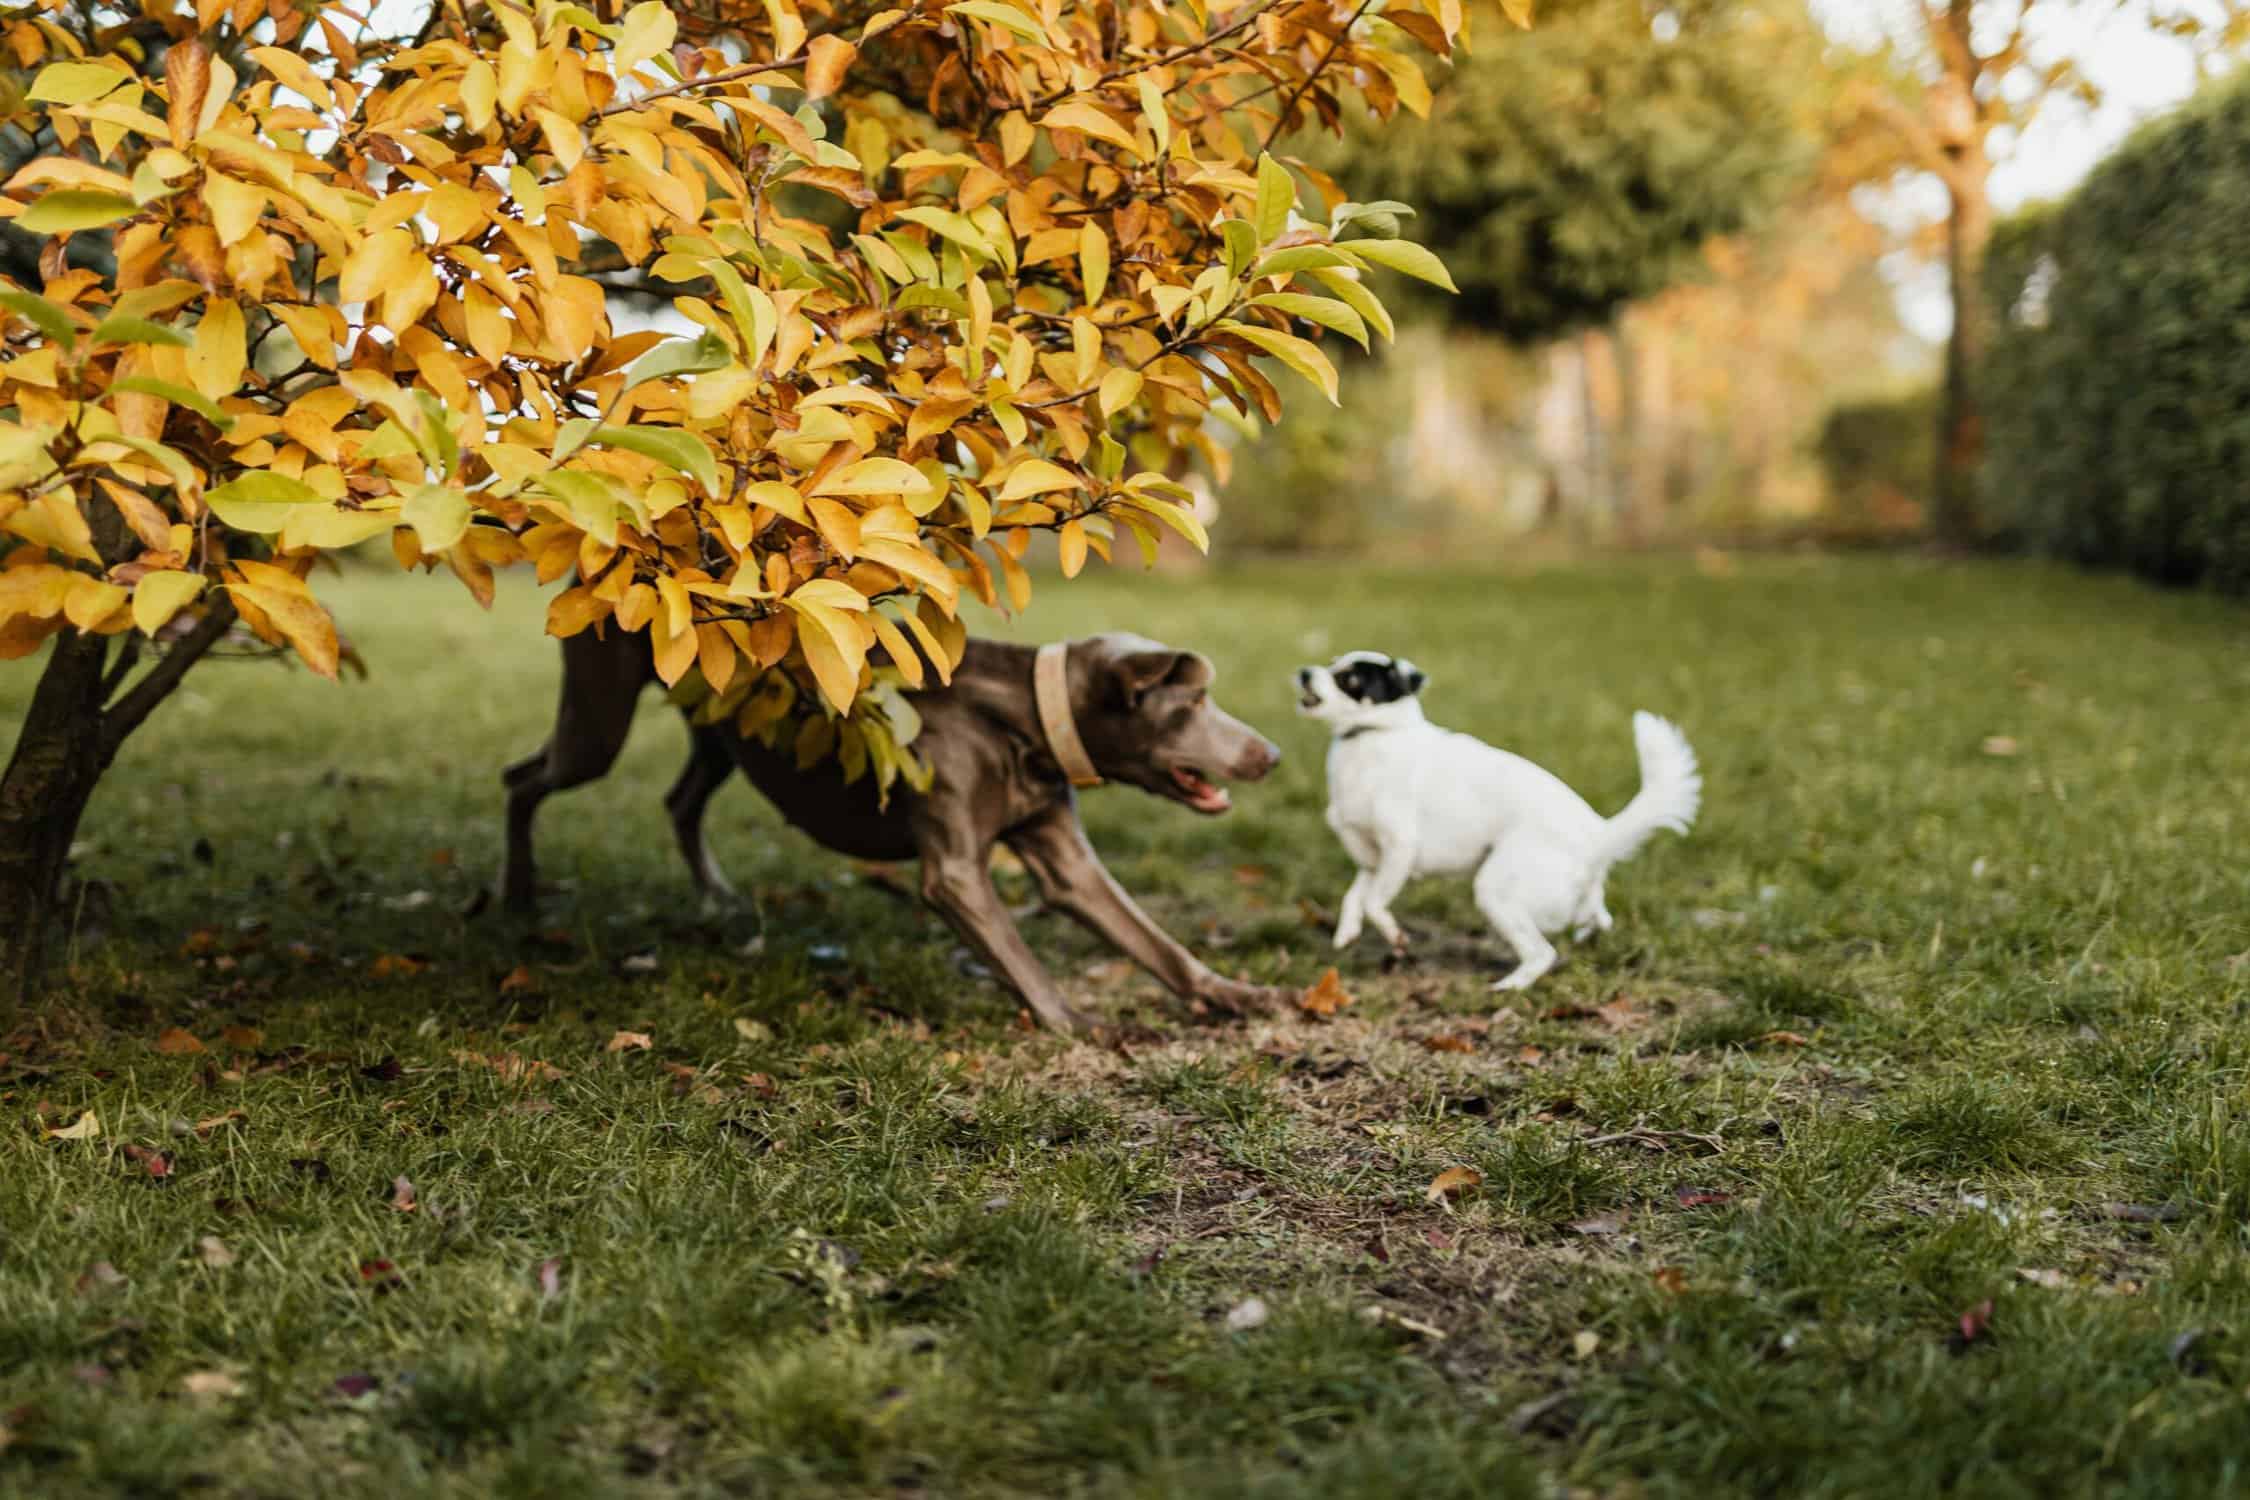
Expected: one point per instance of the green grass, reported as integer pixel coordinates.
(1882, 1042)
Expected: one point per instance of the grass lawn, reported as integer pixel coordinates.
(1897, 1141)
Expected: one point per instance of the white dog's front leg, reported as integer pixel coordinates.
(1351, 915)
(1384, 882)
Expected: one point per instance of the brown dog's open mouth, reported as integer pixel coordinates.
(1199, 793)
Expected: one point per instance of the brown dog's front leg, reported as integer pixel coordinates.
(961, 889)
(1073, 877)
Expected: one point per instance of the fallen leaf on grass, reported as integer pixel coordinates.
(1584, 1342)
(1690, 1197)
(101, 1276)
(155, 1163)
(2053, 1281)
(1247, 1314)
(2000, 745)
(213, 1252)
(1621, 1015)
(518, 980)
(1670, 1279)
(84, 1128)
(1568, 1013)
(1785, 1039)
(381, 1275)
(243, 1038)
(402, 1195)
(1531, 1057)
(210, 1385)
(1976, 1322)
(1326, 997)
(396, 966)
(1600, 1224)
(750, 1029)
(204, 1127)
(629, 1041)
(176, 1043)
(1452, 1183)
(1452, 1043)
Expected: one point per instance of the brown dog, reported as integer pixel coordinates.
(1141, 712)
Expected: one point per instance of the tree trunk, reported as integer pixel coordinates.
(58, 758)
(1960, 455)
(77, 723)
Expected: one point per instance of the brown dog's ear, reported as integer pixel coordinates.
(1134, 674)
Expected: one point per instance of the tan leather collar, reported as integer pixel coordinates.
(1050, 684)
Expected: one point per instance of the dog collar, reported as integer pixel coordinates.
(1357, 730)
(1050, 685)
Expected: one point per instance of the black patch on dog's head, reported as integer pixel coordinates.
(1368, 677)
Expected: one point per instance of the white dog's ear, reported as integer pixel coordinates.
(1411, 677)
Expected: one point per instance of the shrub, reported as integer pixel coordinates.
(2119, 376)
(1877, 455)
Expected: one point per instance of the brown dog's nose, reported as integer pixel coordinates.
(1262, 756)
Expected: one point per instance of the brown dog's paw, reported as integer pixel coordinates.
(1235, 998)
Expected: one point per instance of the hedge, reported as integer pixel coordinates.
(2118, 385)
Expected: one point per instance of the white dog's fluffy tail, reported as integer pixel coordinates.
(1671, 790)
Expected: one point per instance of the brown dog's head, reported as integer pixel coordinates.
(1145, 713)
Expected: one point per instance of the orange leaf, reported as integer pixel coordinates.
(176, 1043)
(630, 1041)
(1326, 997)
(1452, 1183)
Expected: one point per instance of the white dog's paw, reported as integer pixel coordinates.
(1346, 935)
(1522, 977)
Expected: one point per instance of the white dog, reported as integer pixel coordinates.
(1408, 798)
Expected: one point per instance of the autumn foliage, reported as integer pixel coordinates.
(959, 273)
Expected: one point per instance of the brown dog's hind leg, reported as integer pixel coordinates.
(709, 764)
(1072, 875)
(600, 683)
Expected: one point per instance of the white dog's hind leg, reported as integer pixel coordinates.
(1351, 913)
(1534, 954)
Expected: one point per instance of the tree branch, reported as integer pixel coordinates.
(128, 713)
(1281, 121)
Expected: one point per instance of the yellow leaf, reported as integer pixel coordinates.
(174, 1042)
(875, 476)
(289, 605)
(159, 596)
(1452, 1183)
(1119, 389)
(1070, 548)
(1037, 477)
(829, 59)
(235, 206)
(1093, 260)
(92, 600)
(1082, 115)
(895, 644)
(629, 1041)
(221, 351)
(1300, 355)
(834, 650)
(379, 262)
(838, 526)
(85, 1128)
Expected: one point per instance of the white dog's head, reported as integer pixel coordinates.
(1361, 690)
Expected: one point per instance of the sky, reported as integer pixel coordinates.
(2139, 73)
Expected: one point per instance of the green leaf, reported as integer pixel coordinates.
(439, 515)
(1310, 258)
(680, 357)
(1241, 238)
(1277, 194)
(47, 317)
(593, 501)
(66, 210)
(258, 502)
(952, 226)
(1325, 311)
(129, 330)
(1361, 300)
(1408, 257)
(682, 451)
(179, 395)
(1006, 17)
(1178, 517)
(1298, 354)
